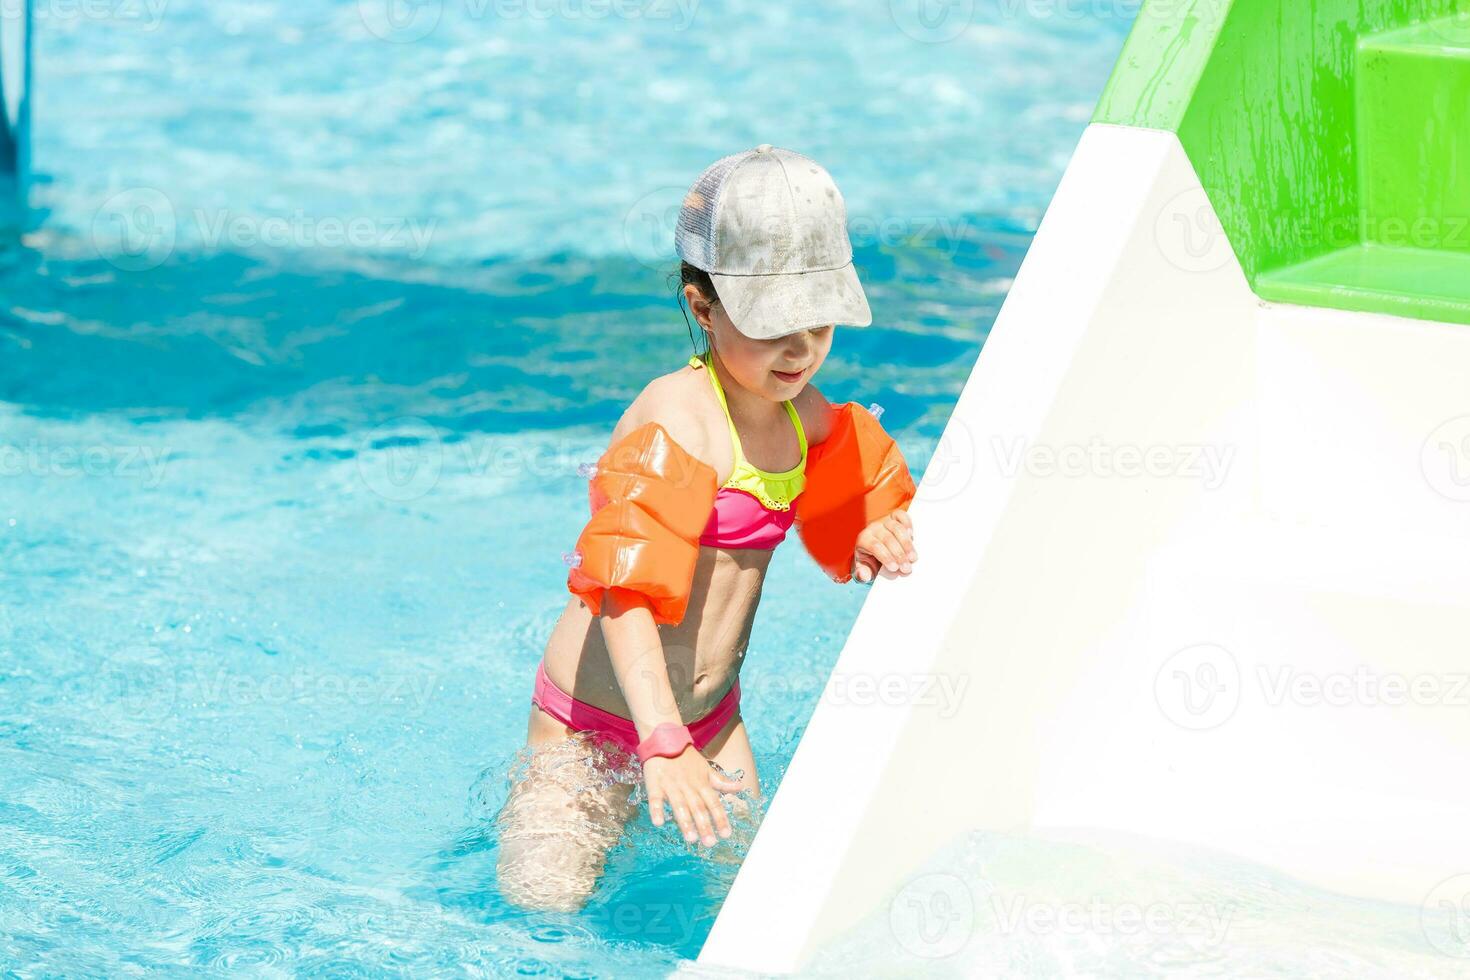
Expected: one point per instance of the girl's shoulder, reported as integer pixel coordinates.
(816, 414)
(689, 415)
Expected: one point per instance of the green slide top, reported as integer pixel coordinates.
(1332, 137)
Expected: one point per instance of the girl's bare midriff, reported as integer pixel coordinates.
(703, 653)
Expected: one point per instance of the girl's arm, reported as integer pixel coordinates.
(637, 654)
(686, 782)
(630, 632)
(885, 544)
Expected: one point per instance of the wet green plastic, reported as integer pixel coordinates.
(1414, 119)
(1429, 284)
(1318, 127)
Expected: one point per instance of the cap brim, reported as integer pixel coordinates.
(764, 307)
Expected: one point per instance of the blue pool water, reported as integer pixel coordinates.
(313, 316)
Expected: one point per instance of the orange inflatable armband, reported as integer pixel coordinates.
(650, 503)
(853, 478)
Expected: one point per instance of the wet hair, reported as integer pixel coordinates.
(691, 275)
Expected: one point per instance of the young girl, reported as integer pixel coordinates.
(706, 472)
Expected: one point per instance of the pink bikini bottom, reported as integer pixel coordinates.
(584, 717)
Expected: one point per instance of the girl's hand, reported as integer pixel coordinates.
(688, 784)
(886, 544)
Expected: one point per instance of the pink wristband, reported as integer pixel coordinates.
(667, 740)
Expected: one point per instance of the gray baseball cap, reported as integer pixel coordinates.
(770, 227)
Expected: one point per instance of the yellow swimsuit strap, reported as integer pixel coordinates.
(776, 491)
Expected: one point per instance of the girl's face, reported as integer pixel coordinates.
(776, 369)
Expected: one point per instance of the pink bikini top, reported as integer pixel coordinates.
(754, 509)
(741, 521)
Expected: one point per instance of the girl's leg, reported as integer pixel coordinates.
(559, 820)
